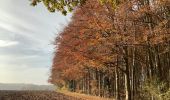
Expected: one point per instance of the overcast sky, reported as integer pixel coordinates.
(26, 36)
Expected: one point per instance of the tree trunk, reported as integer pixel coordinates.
(99, 88)
(117, 96)
(127, 77)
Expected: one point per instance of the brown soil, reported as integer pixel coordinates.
(34, 95)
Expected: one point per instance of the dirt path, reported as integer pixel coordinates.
(83, 96)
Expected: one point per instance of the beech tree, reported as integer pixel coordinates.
(113, 48)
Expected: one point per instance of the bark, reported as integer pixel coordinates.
(127, 77)
(117, 96)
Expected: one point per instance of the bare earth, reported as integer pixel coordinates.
(34, 95)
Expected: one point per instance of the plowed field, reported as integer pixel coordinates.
(34, 95)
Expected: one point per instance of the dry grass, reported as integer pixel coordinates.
(83, 96)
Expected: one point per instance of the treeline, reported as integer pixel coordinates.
(118, 50)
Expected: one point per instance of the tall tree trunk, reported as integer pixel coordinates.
(127, 76)
(99, 83)
(117, 96)
(133, 72)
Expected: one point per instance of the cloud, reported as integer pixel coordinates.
(26, 35)
(8, 43)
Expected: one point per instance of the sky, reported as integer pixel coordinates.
(26, 37)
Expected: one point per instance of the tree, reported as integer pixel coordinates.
(60, 5)
(65, 6)
(111, 51)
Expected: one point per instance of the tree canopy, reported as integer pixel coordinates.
(113, 48)
(114, 52)
(65, 6)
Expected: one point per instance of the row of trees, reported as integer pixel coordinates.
(114, 48)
